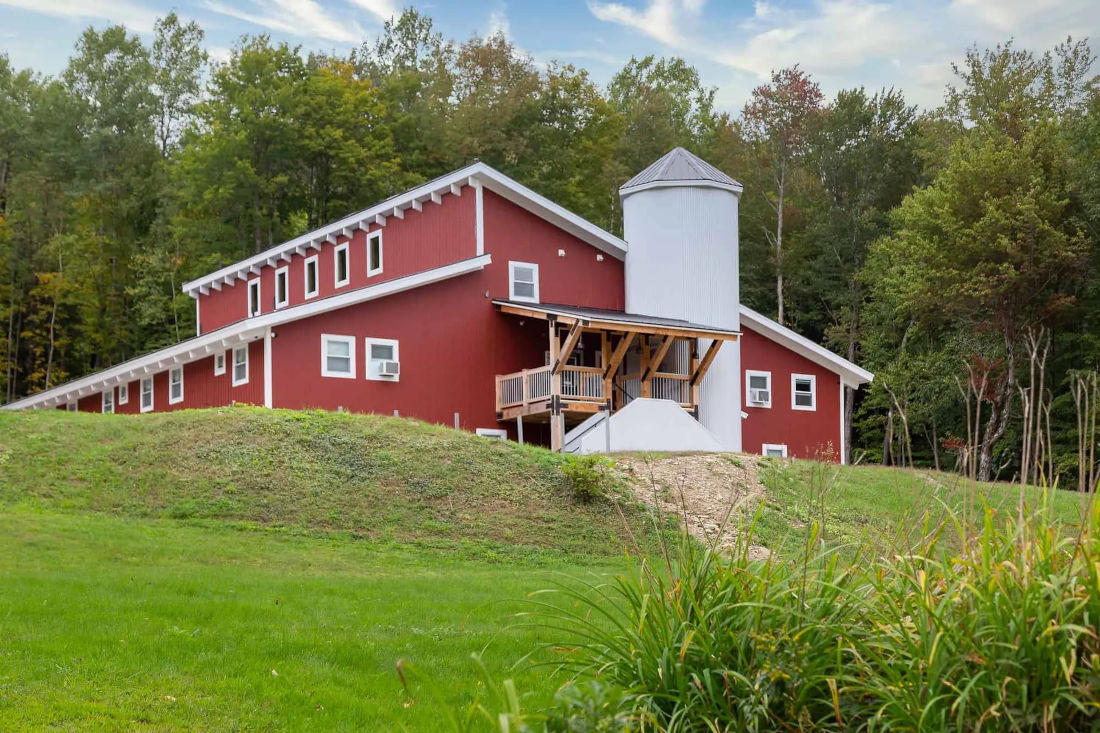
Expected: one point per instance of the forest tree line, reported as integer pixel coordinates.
(952, 251)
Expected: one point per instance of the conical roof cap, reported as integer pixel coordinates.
(678, 167)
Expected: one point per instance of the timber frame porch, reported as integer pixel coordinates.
(561, 392)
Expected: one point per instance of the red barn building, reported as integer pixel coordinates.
(472, 300)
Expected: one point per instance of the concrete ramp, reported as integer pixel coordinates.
(643, 425)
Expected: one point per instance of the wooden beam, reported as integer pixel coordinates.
(437, 199)
(618, 355)
(416, 205)
(644, 383)
(555, 349)
(456, 189)
(617, 326)
(657, 357)
(708, 357)
(567, 348)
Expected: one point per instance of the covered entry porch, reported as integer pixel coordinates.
(599, 360)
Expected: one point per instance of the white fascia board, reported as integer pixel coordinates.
(851, 374)
(543, 207)
(246, 330)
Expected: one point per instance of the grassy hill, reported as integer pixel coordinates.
(245, 568)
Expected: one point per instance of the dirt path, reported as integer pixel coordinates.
(701, 489)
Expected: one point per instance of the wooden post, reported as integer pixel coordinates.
(645, 391)
(557, 425)
(519, 428)
(555, 349)
(692, 386)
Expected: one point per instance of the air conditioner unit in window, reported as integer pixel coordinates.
(389, 368)
(759, 396)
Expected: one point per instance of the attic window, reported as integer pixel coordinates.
(340, 265)
(311, 277)
(523, 282)
(282, 292)
(374, 253)
(254, 297)
(803, 392)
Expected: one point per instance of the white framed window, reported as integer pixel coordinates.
(803, 392)
(340, 265)
(383, 360)
(240, 365)
(495, 433)
(124, 393)
(310, 274)
(374, 253)
(254, 303)
(219, 363)
(147, 394)
(282, 287)
(109, 401)
(774, 450)
(175, 385)
(71, 407)
(337, 356)
(758, 389)
(523, 282)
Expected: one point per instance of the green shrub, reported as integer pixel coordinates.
(590, 476)
(1000, 636)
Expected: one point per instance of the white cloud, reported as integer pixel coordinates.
(302, 18)
(498, 23)
(381, 9)
(132, 15)
(662, 20)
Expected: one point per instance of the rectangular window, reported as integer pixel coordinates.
(337, 356)
(383, 360)
(282, 289)
(147, 394)
(109, 401)
(219, 363)
(374, 253)
(254, 297)
(71, 407)
(175, 385)
(340, 265)
(123, 393)
(775, 450)
(311, 277)
(240, 366)
(803, 392)
(758, 389)
(493, 433)
(523, 282)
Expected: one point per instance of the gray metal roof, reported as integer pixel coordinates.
(680, 166)
(601, 314)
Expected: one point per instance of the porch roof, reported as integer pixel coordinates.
(610, 320)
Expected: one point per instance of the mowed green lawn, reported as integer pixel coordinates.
(123, 624)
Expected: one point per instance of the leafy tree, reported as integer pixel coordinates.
(178, 61)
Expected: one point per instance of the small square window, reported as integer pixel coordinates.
(147, 394)
(254, 304)
(496, 433)
(219, 363)
(774, 450)
(523, 282)
(282, 287)
(758, 389)
(340, 265)
(383, 360)
(175, 385)
(109, 401)
(803, 392)
(374, 253)
(338, 356)
(311, 286)
(240, 366)
(123, 393)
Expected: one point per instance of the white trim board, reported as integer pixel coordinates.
(850, 374)
(478, 175)
(237, 334)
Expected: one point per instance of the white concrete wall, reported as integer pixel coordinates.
(645, 425)
(683, 263)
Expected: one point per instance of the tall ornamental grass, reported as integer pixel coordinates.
(999, 635)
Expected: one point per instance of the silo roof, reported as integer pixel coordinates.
(678, 167)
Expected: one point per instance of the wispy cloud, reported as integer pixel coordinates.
(132, 15)
(381, 9)
(301, 18)
(661, 20)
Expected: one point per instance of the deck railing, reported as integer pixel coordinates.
(662, 386)
(533, 385)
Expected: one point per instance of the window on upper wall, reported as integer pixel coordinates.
(803, 392)
(383, 360)
(219, 363)
(758, 389)
(282, 289)
(240, 366)
(374, 253)
(311, 286)
(254, 304)
(340, 265)
(175, 385)
(123, 393)
(337, 356)
(523, 282)
(109, 401)
(147, 394)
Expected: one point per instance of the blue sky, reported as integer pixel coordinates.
(733, 43)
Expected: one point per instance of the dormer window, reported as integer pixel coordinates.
(523, 282)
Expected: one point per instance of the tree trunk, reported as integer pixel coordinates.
(997, 422)
(779, 256)
(887, 440)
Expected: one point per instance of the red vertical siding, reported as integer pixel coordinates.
(438, 235)
(807, 434)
